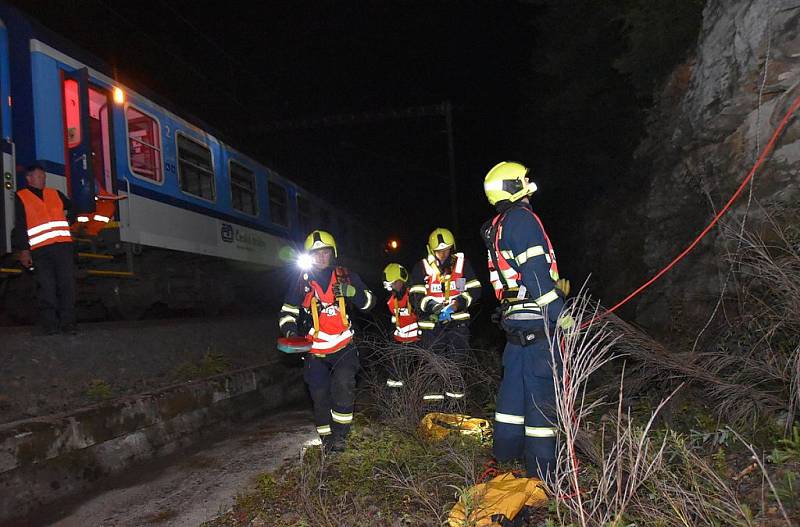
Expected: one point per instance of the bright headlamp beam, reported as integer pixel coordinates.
(304, 261)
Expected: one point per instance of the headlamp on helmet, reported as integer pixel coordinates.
(506, 181)
(392, 273)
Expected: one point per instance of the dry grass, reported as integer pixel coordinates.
(640, 474)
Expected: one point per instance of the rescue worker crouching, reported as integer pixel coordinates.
(524, 275)
(404, 318)
(324, 292)
(444, 287)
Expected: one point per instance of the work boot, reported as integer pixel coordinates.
(338, 444)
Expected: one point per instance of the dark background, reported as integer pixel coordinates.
(561, 86)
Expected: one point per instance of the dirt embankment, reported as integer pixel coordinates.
(41, 375)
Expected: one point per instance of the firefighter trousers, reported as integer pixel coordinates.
(55, 285)
(525, 419)
(331, 379)
(452, 342)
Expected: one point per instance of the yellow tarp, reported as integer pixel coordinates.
(436, 426)
(501, 498)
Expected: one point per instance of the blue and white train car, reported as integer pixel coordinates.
(185, 190)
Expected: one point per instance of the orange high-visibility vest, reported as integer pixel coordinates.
(330, 333)
(404, 319)
(47, 223)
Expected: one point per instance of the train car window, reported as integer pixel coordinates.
(72, 113)
(195, 168)
(144, 145)
(305, 215)
(278, 201)
(243, 188)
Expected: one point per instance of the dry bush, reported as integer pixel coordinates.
(422, 371)
(749, 367)
(641, 475)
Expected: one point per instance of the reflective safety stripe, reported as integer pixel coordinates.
(290, 309)
(342, 418)
(509, 418)
(547, 298)
(36, 240)
(286, 320)
(472, 283)
(536, 250)
(540, 431)
(99, 217)
(426, 324)
(507, 254)
(454, 395)
(417, 289)
(459, 267)
(394, 384)
(433, 397)
(460, 316)
(509, 273)
(370, 300)
(468, 297)
(47, 226)
(524, 306)
(328, 341)
(83, 219)
(324, 430)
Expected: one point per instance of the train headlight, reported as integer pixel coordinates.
(304, 261)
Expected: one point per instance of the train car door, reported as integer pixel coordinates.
(78, 163)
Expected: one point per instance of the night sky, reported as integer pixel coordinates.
(519, 74)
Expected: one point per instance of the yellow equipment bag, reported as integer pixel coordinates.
(497, 502)
(436, 426)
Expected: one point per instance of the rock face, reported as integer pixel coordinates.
(712, 117)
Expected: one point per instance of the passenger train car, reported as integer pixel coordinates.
(191, 211)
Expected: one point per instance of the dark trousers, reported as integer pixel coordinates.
(55, 280)
(525, 421)
(451, 342)
(331, 379)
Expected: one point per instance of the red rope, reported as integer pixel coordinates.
(764, 153)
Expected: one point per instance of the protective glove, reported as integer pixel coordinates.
(562, 285)
(345, 290)
(446, 313)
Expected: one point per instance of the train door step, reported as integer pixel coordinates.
(95, 256)
(116, 274)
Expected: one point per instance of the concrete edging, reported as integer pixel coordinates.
(45, 459)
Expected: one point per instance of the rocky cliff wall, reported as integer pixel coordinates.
(713, 115)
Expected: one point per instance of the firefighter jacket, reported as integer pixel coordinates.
(404, 318)
(435, 285)
(522, 265)
(40, 219)
(313, 293)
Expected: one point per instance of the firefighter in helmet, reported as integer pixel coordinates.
(325, 291)
(524, 275)
(443, 288)
(404, 318)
